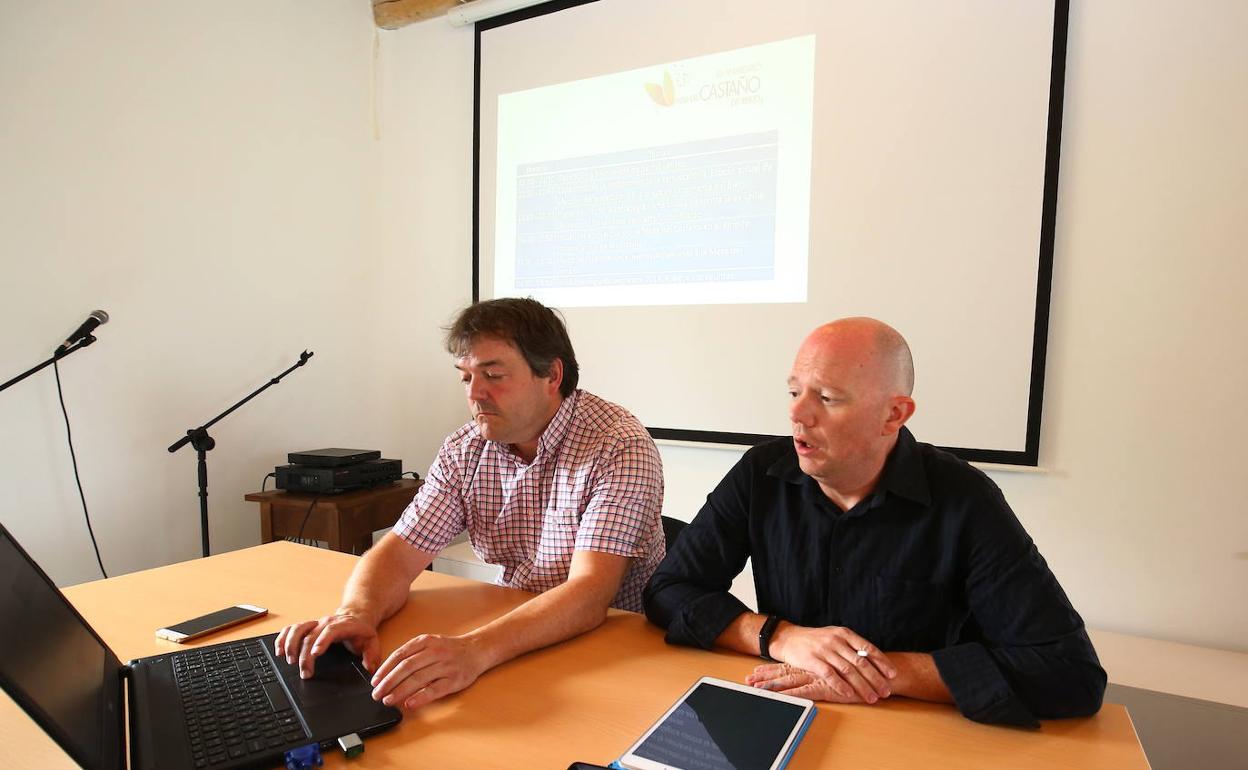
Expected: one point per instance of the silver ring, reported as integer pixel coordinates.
(863, 652)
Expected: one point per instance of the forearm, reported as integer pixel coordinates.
(741, 635)
(382, 580)
(918, 678)
(371, 598)
(561, 613)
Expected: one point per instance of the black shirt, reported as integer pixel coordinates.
(933, 560)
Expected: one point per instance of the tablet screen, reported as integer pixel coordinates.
(720, 729)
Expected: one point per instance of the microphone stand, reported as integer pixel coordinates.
(202, 442)
(57, 356)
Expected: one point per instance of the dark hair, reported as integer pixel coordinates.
(536, 331)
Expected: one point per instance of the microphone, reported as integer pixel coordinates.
(96, 318)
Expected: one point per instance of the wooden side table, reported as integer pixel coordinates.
(346, 521)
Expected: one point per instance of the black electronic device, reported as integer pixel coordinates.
(73, 685)
(332, 458)
(331, 481)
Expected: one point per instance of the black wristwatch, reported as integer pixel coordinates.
(764, 637)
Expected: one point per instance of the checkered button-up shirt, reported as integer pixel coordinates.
(596, 484)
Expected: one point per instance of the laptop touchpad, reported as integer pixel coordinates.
(336, 675)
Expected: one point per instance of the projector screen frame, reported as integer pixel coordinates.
(1030, 455)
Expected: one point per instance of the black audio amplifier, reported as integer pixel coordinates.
(344, 478)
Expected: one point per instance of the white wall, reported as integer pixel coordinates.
(206, 173)
(424, 277)
(152, 152)
(1139, 511)
(1142, 516)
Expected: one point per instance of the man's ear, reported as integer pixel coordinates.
(900, 409)
(556, 373)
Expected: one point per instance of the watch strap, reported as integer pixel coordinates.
(764, 637)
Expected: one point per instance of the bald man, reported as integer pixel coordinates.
(883, 566)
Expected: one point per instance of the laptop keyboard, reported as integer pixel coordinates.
(234, 703)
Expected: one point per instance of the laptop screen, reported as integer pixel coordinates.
(54, 666)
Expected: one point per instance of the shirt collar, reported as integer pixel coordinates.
(903, 474)
(552, 438)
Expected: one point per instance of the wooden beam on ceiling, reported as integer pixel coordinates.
(392, 14)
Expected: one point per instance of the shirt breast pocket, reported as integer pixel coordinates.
(558, 538)
(912, 615)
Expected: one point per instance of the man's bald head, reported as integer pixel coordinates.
(878, 349)
(849, 393)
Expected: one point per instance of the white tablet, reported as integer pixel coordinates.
(720, 725)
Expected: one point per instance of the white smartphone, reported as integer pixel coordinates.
(719, 725)
(213, 621)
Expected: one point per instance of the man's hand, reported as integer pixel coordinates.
(305, 642)
(377, 588)
(426, 668)
(790, 680)
(832, 654)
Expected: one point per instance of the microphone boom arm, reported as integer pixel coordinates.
(190, 434)
(57, 356)
(202, 442)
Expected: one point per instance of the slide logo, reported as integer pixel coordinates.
(664, 95)
(739, 86)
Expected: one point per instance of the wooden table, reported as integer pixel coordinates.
(346, 521)
(586, 699)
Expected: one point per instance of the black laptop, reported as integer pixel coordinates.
(229, 705)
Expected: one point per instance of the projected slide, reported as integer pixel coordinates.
(683, 183)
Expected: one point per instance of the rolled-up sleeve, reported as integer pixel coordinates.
(1024, 654)
(688, 594)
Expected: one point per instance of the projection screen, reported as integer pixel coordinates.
(697, 184)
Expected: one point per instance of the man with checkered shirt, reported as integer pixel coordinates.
(559, 487)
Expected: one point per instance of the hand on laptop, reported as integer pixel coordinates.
(305, 642)
(426, 668)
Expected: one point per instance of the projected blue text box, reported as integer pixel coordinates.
(682, 213)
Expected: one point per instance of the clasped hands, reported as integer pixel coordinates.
(824, 664)
(419, 671)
